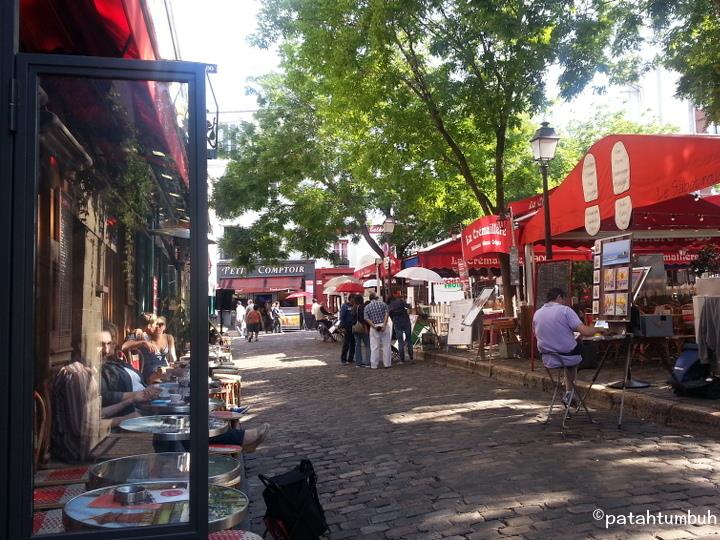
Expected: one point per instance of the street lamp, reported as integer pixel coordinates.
(544, 143)
(388, 228)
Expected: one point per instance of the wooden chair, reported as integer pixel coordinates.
(40, 423)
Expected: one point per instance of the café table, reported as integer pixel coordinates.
(166, 467)
(169, 504)
(165, 406)
(169, 431)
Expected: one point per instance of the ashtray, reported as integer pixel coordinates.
(130, 495)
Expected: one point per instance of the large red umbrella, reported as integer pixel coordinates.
(299, 294)
(349, 287)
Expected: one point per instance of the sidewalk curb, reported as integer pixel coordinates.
(637, 405)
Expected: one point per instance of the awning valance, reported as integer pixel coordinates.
(261, 284)
(623, 176)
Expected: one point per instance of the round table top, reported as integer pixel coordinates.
(166, 466)
(96, 509)
(167, 427)
(226, 415)
(165, 406)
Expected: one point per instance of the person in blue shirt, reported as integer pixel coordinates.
(346, 321)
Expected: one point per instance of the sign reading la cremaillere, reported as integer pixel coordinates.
(484, 235)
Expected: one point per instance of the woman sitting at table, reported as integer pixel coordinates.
(164, 342)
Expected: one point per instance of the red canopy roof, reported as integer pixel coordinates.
(654, 169)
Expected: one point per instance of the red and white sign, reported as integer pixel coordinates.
(463, 273)
(484, 235)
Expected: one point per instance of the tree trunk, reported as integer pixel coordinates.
(504, 258)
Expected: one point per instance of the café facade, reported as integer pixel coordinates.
(104, 217)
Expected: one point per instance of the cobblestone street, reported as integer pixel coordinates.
(422, 451)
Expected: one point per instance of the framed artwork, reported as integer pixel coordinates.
(616, 252)
(622, 278)
(596, 291)
(621, 304)
(596, 261)
(608, 279)
(596, 276)
(609, 304)
(596, 307)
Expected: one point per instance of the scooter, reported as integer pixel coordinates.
(330, 329)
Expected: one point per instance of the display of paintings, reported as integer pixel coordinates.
(609, 304)
(596, 291)
(608, 279)
(621, 304)
(596, 262)
(622, 278)
(596, 307)
(616, 252)
(596, 276)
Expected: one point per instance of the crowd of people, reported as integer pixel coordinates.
(252, 318)
(369, 327)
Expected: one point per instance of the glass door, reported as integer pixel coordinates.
(110, 193)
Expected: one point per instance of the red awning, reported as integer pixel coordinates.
(632, 173)
(283, 283)
(261, 284)
(446, 255)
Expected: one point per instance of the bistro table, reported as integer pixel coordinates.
(165, 407)
(169, 431)
(169, 504)
(166, 466)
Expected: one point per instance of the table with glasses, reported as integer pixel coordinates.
(167, 466)
(170, 431)
(166, 407)
(164, 503)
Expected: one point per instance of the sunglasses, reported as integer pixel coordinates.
(161, 324)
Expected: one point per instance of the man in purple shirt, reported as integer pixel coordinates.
(554, 325)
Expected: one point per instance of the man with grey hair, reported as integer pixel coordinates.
(376, 315)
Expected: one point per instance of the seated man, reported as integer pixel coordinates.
(122, 387)
(554, 325)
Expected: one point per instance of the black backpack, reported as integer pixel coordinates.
(293, 507)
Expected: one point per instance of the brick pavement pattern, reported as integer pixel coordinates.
(422, 451)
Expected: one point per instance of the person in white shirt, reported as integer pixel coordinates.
(240, 325)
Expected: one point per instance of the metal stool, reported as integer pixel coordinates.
(574, 394)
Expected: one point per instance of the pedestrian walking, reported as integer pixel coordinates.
(254, 323)
(348, 347)
(402, 328)
(376, 315)
(240, 311)
(361, 332)
(276, 314)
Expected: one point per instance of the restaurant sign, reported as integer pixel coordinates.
(485, 235)
(288, 268)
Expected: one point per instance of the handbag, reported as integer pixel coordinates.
(359, 328)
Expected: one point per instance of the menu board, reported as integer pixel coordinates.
(552, 274)
(613, 257)
(459, 334)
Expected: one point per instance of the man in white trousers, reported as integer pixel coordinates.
(376, 315)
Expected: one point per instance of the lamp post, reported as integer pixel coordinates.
(388, 229)
(544, 144)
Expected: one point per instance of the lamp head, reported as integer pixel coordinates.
(544, 143)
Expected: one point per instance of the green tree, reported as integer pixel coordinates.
(688, 31)
(311, 177)
(464, 73)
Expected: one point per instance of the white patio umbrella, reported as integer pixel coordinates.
(418, 273)
(334, 282)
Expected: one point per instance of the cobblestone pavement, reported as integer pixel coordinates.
(422, 451)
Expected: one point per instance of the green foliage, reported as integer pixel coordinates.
(689, 34)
